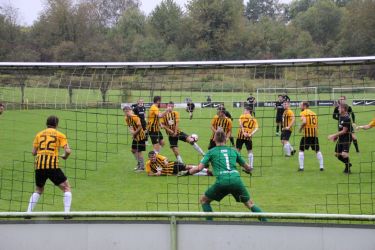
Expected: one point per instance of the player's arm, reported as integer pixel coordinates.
(67, 152)
(255, 128)
(34, 151)
(335, 114)
(303, 124)
(364, 127)
(212, 125)
(177, 124)
(139, 127)
(333, 137)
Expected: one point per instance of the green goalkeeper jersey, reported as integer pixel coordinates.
(223, 160)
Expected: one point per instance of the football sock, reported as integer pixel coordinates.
(33, 200)
(319, 155)
(231, 140)
(251, 159)
(287, 149)
(301, 158)
(207, 208)
(346, 161)
(277, 128)
(179, 159)
(341, 158)
(256, 209)
(141, 163)
(197, 148)
(355, 142)
(67, 201)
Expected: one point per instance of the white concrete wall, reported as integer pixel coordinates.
(191, 236)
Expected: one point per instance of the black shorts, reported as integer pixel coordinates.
(342, 146)
(173, 140)
(307, 142)
(248, 144)
(139, 146)
(55, 175)
(279, 118)
(211, 145)
(285, 135)
(178, 166)
(156, 137)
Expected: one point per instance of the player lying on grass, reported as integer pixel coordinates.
(228, 181)
(159, 165)
(170, 122)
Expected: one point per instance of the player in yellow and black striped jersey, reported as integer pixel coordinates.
(159, 165)
(248, 127)
(220, 121)
(153, 124)
(46, 149)
(287, 128)
(309, 128)
(138, 134)
(170, 122)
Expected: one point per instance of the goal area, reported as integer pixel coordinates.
(88, 99)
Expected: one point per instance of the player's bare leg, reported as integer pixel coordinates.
(254, 208)
(177, 154)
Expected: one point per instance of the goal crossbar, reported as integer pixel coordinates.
(238, 63)
(111, 214)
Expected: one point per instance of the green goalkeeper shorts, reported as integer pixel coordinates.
(233, 186)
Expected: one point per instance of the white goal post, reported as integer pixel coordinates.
(362, 91)
(300, 92)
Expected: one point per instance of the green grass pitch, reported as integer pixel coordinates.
(101, 166)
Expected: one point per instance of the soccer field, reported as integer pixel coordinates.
(101, 166)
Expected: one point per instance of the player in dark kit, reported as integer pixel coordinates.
(1, 108)
(279, 113)
(140, 111)
(343, 137)
(336, 116)
(251, 103)
(190, 106)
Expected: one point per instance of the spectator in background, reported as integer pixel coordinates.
(209, 99)
(336, 115)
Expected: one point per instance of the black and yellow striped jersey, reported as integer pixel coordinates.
(47, 144)
(134, 122)
(288, 116)
(249, 124)
(171, 120)
(160, 164)
(311, 126)
(153, 119)
(221, 122)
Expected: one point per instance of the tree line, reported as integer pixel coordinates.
(117, 30)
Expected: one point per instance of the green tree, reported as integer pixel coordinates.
(215, 25)
(358, 29)
(256, 9)
(165, 21)
(322, 21)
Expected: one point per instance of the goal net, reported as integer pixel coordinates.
(89, 97)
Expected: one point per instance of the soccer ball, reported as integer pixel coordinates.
(195, 137)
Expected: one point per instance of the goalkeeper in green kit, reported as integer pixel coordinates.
(228, 181)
